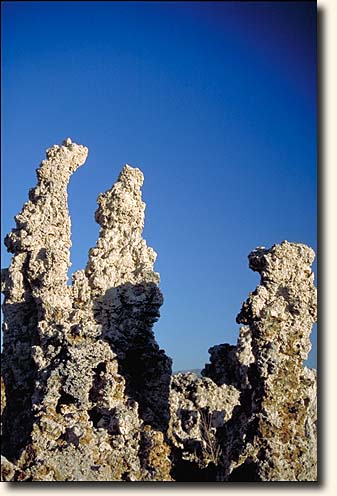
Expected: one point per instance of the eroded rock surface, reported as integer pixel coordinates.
(198, 408)
(37, 302)
(126, 296)
(87, 394)
(74, 411)
(272, 434)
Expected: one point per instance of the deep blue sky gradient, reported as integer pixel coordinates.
(214, 101)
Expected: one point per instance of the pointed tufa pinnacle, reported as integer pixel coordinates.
(37, 300)
(122, 279)
(86, 384)
(267, 366)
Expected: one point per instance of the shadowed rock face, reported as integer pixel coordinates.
(77, 407)
(87, 393)
(199, 408)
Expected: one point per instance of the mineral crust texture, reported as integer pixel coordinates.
(88, 395)
(272, 433)
(126, 297)
(81, 401)
(199, 407)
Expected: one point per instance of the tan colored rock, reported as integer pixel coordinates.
(37, 300)
(73, 412)
(198, 407)
(10, 472)
(126, 296)
(272, 436)
(87, 394)
(280, 314)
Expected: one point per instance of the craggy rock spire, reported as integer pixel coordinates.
(37, 298)
(280, 315)
(121, 255)
(127, 298)
(71, 413)
(272, 434)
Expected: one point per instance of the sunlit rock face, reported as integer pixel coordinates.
(81, 401)
(272, 435)
(126, 297)
(37, 303)
(88, 395)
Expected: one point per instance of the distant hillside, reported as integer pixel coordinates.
(195, 371)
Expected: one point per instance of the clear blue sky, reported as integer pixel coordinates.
(214, 101)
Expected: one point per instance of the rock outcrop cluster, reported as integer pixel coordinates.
(88, 395)
(82, 402)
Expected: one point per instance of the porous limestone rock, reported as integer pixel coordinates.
(272, 434)
(37, 301)
(3, 395)
(126, 296)
(87, 394)
(198, 407)
(73, 412)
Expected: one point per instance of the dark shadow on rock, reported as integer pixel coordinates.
(247, 472)
(127, 314)
(18, 371)
(224, 367)
(186, 471)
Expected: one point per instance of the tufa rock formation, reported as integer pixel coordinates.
(82, 403)
(199, 407)
(126, 297)
(87, 395)
(272, 433)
